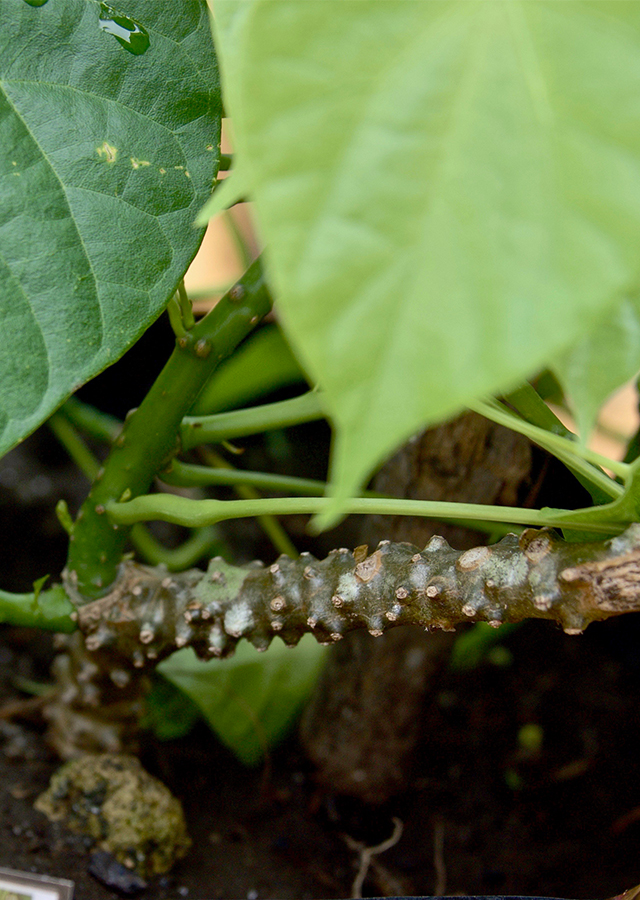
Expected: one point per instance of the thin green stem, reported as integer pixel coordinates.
(183, 474)
(51, 610)
(182, 511)
(269, 524)
(185, 306)
(187, 475)
(202, 543)
(175, 317)
(532, 408)
(149, 438)
(196, 430)
(575, 448)
(74, 445)
(90, 420)
(580, 457)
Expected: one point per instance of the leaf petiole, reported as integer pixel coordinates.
(569, 452)
(191, 513)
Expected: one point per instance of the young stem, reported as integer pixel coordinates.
(50, 610)
(203, 542)
(184, 474)
(74, 445)
(198, 430)
(91, 421)
(182, 511)
(149, 437)
(269, 524)
(569, 452)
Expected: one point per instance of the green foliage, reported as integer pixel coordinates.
(263, 364)
(601, 362)
(169, 713)
(251, 699)
(474, 645)
(449, 191)
(106, 156)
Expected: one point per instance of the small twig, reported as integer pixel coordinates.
(438, 859)
(366, 854)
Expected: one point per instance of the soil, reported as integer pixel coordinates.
(488, 808)
(482, 814)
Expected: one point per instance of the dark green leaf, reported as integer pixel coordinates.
(251, 699)
(169, 713)
(106, 155)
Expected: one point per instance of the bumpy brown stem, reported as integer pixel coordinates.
(149, 613)
(363, 720)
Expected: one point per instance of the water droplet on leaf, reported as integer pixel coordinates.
(129, 34)
(36, 2)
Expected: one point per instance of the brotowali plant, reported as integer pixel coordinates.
(449, 198)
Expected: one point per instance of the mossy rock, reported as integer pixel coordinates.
(129, 813)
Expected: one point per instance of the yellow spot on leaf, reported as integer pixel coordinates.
(137, 163)
(110, 153)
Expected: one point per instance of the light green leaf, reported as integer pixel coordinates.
(106, 156)
(251, 699)
(600, 363)
(227, 193)
(449, 192)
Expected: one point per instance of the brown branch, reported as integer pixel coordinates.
(149, 613)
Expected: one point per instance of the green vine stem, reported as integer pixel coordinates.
(198, 430)
(183, 474)
(573, 454)
(191, 513)
(91, 421)
(50, 610)
(531, 407)
(201, 544)
(149, 437)
(148, 613)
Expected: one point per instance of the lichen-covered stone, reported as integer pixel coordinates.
(128, 813)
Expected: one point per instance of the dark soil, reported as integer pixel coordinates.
(563, 821)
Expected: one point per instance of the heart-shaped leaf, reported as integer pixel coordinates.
(109, 145)
(449, 192)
